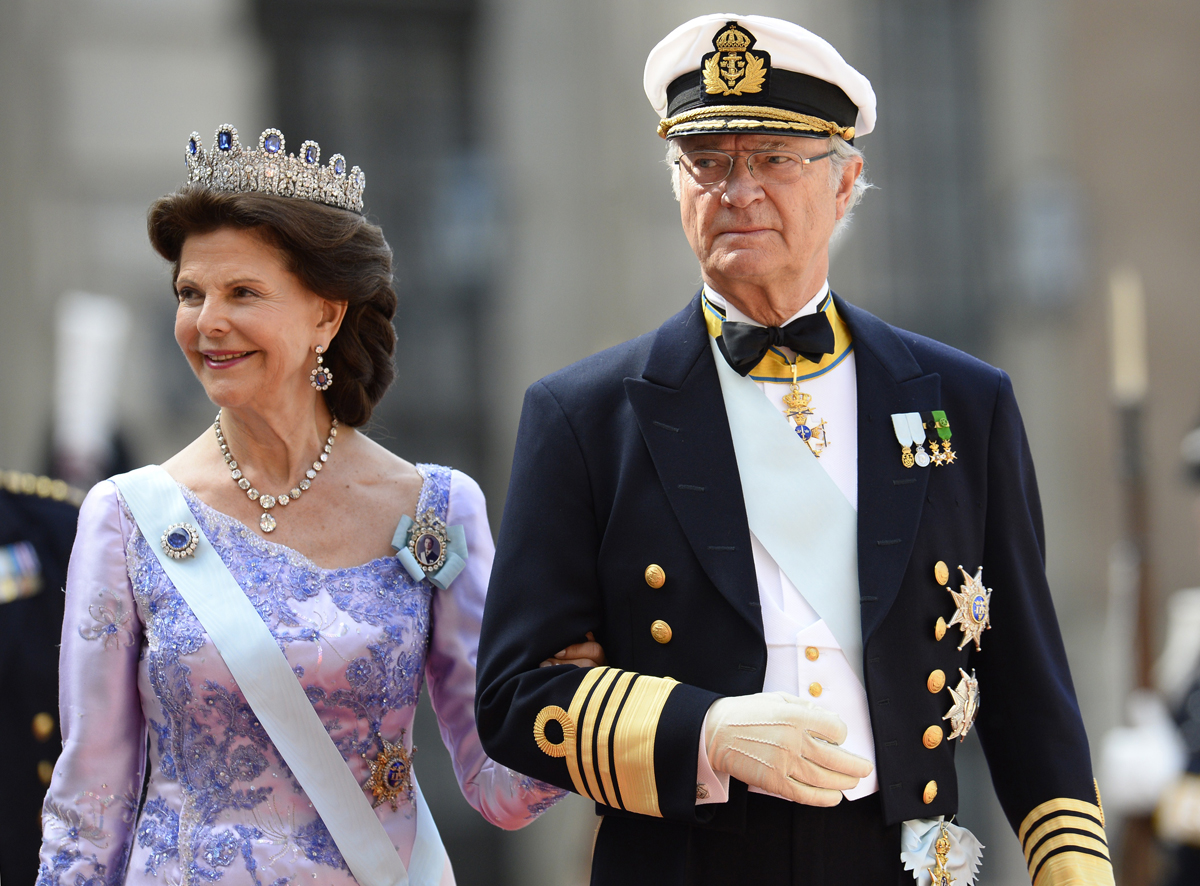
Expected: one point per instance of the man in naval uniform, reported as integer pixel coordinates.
(37, 528)
(791, 527)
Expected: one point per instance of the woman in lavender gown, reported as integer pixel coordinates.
(284, 314)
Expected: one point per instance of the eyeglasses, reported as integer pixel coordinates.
(768, 167)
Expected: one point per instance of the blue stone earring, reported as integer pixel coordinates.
(321, 377)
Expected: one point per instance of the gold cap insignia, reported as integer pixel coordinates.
(733, 69)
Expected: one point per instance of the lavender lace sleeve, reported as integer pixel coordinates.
(89, 808)
(505, 798)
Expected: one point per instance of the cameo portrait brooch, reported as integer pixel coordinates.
(428, 540)
(429, 549)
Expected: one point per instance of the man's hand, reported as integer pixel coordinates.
(589, 654)
(784, 745)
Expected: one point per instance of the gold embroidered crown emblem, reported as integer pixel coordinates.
(733, 69)
(733, 39)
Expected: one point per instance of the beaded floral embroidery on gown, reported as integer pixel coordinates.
(221, 805)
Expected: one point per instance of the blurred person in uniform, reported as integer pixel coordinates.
(810, 543)
(1154, 764)
(37, 527)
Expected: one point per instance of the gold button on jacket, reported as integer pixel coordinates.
(42, 726)
(656, 576)
(937, 681)
(815, 690)
(941, 572)
(660, 631)
(812, 653)
(939, 630)
(932, 738)
(930, 793)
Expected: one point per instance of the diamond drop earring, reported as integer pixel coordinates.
(321, 377)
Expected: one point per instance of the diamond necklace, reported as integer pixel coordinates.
(266, 521)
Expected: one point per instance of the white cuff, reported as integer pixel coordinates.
(711, 786)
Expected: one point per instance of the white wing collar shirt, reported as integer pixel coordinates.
(803, 656)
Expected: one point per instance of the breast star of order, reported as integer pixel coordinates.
(966, 706)
(974, 607)
(391, 773)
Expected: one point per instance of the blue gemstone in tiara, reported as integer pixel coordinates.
(269, 169)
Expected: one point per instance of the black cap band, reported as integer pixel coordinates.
(786, 90)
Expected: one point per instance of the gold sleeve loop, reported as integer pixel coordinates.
(563, 719)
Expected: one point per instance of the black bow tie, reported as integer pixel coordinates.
(744, 344)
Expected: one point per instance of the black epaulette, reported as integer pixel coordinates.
(20, 483)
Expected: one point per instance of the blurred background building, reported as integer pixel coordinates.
(1028, 154)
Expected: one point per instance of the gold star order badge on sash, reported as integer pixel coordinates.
(391, 773)
(974, 604)
(966, 706)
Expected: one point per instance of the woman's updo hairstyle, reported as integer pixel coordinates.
(336, 253)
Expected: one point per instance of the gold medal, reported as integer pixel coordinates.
(797, 404)
(941, 850)
(391, 773)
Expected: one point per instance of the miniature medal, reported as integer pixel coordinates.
(943, 430)
(391, 773)
(427, 541)
(974, 604)
(941, 849)
(932, 440)
(904, 435)
(966, 706)
(916, 430)
(796, 402)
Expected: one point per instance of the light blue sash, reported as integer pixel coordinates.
(795, 509)
(276, 696)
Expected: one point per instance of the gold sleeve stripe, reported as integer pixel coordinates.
(1062, 823)
(633, 743)
(1057, 806)
(1066, 843)
(1075, 869)
(588, 751)
(611, 757)
(576, 709)
(604, 737)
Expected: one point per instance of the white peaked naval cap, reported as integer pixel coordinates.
(732, 73)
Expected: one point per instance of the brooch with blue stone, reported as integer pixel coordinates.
(391, 773)
(179, 540)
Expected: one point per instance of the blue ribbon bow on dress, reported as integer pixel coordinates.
(456, 554)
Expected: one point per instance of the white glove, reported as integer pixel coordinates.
(784, 745)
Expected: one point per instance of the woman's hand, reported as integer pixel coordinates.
(583, 655)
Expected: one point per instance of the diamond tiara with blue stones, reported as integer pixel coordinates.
(230, 166)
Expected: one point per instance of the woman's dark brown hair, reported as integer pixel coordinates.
(336, 253)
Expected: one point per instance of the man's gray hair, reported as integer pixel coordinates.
(843, 152)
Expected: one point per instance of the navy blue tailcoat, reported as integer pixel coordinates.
(625, 459)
